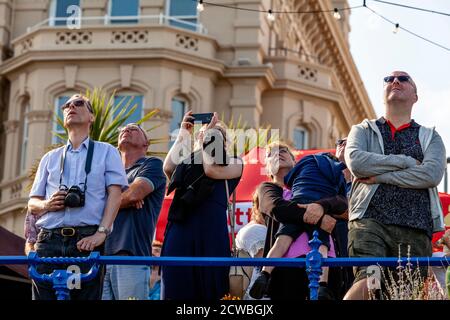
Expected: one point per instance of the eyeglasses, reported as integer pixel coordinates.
(390, 79)
(133, 127)
(275, 151)
(77, 103)
(340, 142)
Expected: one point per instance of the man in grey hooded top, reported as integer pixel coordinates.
(397, 165)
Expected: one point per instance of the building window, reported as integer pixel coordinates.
(128, 101)
(25, 136)
(300, 138)
(184, 14)
(122, 9)
(179, 107)
(58, 11)
(57, 128)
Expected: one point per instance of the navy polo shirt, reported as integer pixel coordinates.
(134, 228)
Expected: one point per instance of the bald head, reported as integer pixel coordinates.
(400, 90)
(410, 78)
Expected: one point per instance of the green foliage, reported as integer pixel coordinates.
(244, 138)
(106, 128)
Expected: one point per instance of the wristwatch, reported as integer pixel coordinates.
(104, 230)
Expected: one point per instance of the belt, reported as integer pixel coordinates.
(71, 231)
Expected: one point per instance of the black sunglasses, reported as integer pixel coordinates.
(77, 103)
(390, 79)
(340, 142)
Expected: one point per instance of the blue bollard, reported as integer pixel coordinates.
(314, 266)
(60, 278)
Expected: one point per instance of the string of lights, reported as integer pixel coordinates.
(336, 14)
(411, 7)
(397, 27)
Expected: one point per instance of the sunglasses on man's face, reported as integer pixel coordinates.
(390, 79)
(76, 103)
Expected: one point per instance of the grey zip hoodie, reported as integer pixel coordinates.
(364, 156)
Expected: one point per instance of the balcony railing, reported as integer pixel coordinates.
(184, 22)
(158, 32)
(313, 264)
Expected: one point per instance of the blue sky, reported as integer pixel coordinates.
(377, 51)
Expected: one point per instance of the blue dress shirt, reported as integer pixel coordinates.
(106, 170)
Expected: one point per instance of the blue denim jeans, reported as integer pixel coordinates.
(126, 282)
(50, 243)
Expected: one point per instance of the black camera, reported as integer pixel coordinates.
(74, 197)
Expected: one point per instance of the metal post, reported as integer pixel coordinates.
(446, 180)
(314, 266)
(60, 277)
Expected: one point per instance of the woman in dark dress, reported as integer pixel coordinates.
(197, 221)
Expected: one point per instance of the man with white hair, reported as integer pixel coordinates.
(135, 224)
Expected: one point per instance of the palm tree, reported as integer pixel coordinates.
(252, 137)
(108, 120)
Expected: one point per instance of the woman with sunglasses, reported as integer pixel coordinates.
(197, 219)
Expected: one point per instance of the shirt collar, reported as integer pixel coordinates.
(138, 162)
(85, 143)
(412, 123)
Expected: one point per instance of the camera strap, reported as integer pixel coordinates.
(87, 166)
(231, 210)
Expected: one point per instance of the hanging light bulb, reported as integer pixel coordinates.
(397, 27)
(270, 15)
(336, 14)
(200, 6)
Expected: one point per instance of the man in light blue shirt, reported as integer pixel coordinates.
(70, 226)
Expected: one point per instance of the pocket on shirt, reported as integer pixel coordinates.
(96, 178)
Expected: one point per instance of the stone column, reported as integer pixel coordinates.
(39, 137)
(152, 7)
(11, 131)
(245, 101)
(5, 24)
(94, 8)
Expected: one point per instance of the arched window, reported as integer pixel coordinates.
(58, 11)
(179, 106)
(123, 8)
(300, 138)
(184, 13)
(128, 100)
(25, 135)
(57, 128)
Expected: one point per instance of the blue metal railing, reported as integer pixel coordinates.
(313, 263)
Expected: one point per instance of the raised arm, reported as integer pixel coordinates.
(363, 164)
(150, 177)
(181, 146)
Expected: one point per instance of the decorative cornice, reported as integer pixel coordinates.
(39, 116)
(11, 126)
(161, 114)
(337, 56)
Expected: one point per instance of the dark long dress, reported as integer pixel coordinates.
(203, 234)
